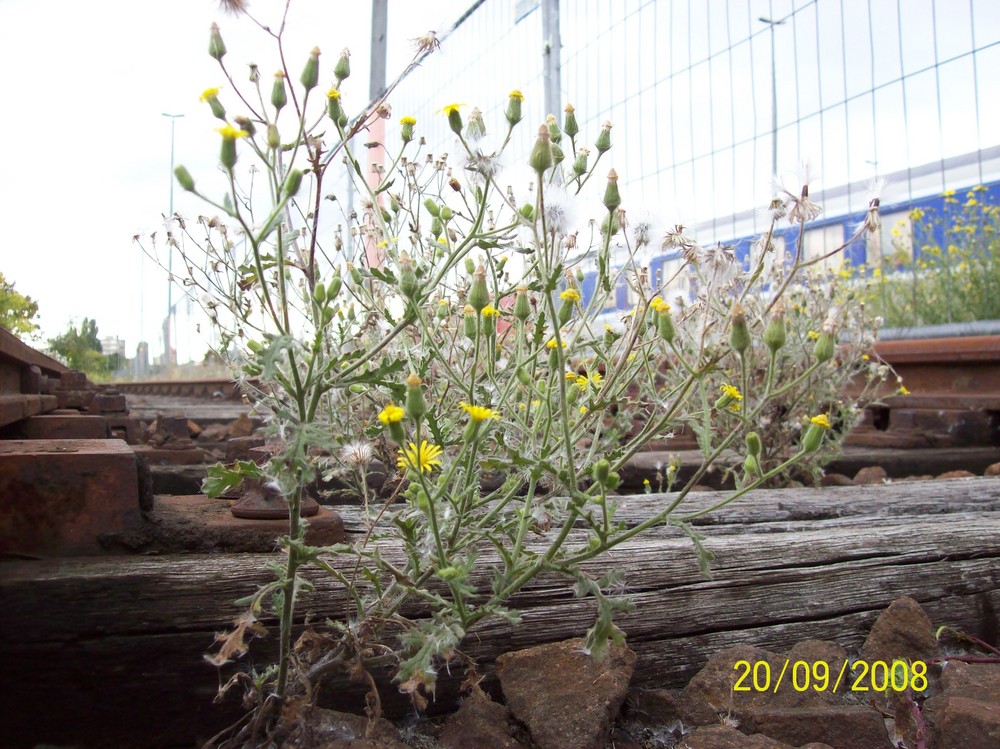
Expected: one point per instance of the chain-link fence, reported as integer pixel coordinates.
(701, 91)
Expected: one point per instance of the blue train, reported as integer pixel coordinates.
(831, 232)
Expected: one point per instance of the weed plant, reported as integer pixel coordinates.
(442, 329)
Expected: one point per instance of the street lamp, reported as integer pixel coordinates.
(167, 327)
(774, 98)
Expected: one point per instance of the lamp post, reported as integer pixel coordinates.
(774, 98)
(167, 326)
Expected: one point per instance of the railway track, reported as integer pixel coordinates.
(110, 559)
(55, 425)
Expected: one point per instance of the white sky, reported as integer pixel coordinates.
(87, 150)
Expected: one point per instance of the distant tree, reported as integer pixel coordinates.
(81, 349)
(212, 358)
(17, 312)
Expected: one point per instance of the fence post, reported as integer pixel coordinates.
(551, 50)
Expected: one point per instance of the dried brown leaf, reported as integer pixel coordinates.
(233, 643)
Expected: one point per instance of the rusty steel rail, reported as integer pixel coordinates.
(216, 388)
(966, 367)
(961, 370)
(28, 380)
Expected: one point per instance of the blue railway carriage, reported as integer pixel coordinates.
(908, 228)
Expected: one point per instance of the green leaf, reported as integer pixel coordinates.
(222, 478)
(272, 356)
(386, 276)
(705, 557)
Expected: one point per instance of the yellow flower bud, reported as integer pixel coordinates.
(818, 425)
(513, 112)
(774, 334)
(479, 295)
(739, 333)
(184, 178)
(603, 142)
(454, 117)
(522, 307)
(334, 108)
(541, 154)
(416, 406)
(555, 134)
(823, 350)
(292, 183)
(570, 126)
(279, 97)
(612, 198)
(216, 47)
(406, 128)
(310, 74)
(665, 324)
(342, 70)
(602, 472)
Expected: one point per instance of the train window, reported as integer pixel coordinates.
(894, 247)
(677, 284)
(776, 258)
(616, 299)
(820, 242)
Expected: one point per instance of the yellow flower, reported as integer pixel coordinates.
(391, 414)
(490, 311)
(408, 121)
(865, 357)
(571, 376)
(821, 420)
(423, 458)
(583, 410)
(333, 94)
(593, 380)
(903, 390)
(813, 335)
(231, 133)
(551, 343)
(570, 295)
(516, 94)
(659, 305)
(645, 482)
(948, 194)
(448, 109)
(209, 93)
(732, 391)
(536, 403)
(478, 413)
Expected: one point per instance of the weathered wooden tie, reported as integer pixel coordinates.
(109, 651)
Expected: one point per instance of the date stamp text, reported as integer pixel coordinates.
(859, 676)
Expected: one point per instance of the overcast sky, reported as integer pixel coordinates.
(87, 150)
